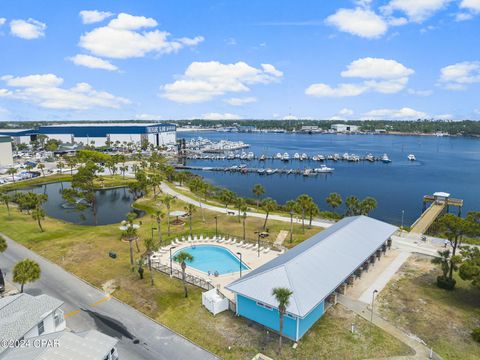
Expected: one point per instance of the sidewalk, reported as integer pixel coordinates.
(364, 310)
(168, 190)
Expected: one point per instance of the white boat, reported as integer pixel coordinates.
(412, 157)
(370, 158)
(278, 156)
(269, 171)
(308, 172)
(263, 158)
(286, 157)
(296, 156)
(320, 157)
(346, 156)
(324, 169)
(304, 157)
(261, 171)
(250, 155)
(386, 159)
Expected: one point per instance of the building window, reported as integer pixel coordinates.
(41, 328)
(268, 307)
(291, 316)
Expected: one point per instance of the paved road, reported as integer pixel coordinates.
(105, 314)
(168, 190)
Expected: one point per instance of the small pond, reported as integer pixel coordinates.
(113, 205)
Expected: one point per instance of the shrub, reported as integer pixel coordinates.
(445, 283)
(476, 334)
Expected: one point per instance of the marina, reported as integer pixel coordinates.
(396, 185)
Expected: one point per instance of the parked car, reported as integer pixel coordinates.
(2, 282)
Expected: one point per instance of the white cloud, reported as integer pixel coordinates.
(43, 80)
(405, 113)
(472, 5)
(94, 16)
(457, 76)
(463, 16)
(2, 21)
(416, 10)
(342, 90)
(126, 37)
(241, 101)
(27, 29)
(147, 117)
(203, 81)
(45, 91)
(219, 116)
(92, 62)
(420, 92)
(360, 21)
(379, 75)
(346, 112)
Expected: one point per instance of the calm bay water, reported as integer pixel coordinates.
(450, 164)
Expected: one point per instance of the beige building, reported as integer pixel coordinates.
(6, 156)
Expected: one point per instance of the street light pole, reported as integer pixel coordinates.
(373, 300)
(240, 254)
(171, 265)
(403, 213)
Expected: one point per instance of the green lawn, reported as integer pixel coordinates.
(83, 250)
(443, 319)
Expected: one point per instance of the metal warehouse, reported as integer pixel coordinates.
(100, 134)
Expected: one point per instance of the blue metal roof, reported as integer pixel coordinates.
(317, 266)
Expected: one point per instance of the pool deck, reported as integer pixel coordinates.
(249, 258)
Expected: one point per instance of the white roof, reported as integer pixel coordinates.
(20, 313)
(88, 345)
(441, 194)
(317, 266)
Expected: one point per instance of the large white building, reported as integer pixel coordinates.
(344, 128)
(101, 133)
(6, 156)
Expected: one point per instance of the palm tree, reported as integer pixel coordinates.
(41, 167)
(158, 218)
(151, 246)
(3, 244)
(241, 206)
(291, 206)
(268, 205)
(334, 200)
(353, 204)
(190, 208)
(304, 201)
(258, 190)
(168, 200)
(227, 197)
(26, 271)
(182, 258)
(60, 166)
(131, 235)
(313, 210)
(282, 295)
(367, 205)
(140, 264)
(38, 213)
(12, 171)
(5, 198)
(244, 217)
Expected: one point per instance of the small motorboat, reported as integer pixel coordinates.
(411, 157)
(296, 156)
(278, 156)
(308, 172)
(324, 169)
(262, 158)
(370, 158)
(386, 159)
(261, 171)
(269, 171)
(304, 157)
(286, 157)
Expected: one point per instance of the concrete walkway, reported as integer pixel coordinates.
(364, 310)
(168, 190)
(382, 280)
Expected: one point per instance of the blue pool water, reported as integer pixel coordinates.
(211, 258)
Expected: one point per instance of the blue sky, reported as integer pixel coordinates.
(390, 59)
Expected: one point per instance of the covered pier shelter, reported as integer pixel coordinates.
(315, 271)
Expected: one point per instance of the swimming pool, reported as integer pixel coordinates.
(211, 258)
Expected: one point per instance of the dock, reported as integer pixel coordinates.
(440, 203)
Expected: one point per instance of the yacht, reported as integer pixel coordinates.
(269, 171)
(304, 157)
(324, 169)
(370, 158)
(250, 155)
(286, 157)
(308, 172)
(278, 156)
(261, 171)
(230, 156)
(346, 156)
(412, 157)
(296, 156)
(320, 157)
(263, 158)
(386, 159)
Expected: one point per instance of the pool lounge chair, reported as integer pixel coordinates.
(261, 249)
(266, 250)
(240, 244)
(222, 240)
(234, 241)
(201, 238)
(245, 245)
(190, 239)
(249, 246)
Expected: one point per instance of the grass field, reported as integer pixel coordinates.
(83, 250)
(443, 319)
